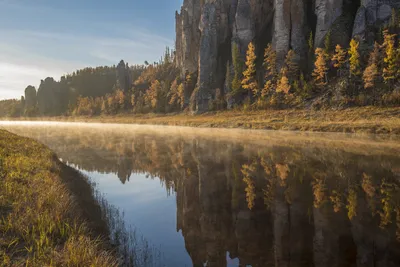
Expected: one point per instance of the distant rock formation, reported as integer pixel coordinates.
(48, 99)
(124, 79)
(206, 30)
(30, 98)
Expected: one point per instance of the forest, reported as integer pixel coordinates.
(333, 77)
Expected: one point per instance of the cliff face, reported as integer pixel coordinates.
(206, 30)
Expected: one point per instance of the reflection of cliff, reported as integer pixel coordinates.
(268, 205)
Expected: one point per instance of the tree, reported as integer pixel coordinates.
(238, 69)
(291, 65)
(270, 63)
(310, 43)
(270, 70)
(370, 75)
(120, 98)
(390, 60)
(371, 72)
(339, 59)
(283, 83)
(355, 66)
(249, 81)
(321, 69)
(327, 42)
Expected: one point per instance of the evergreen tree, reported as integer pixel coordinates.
(249, 81)
(291, 65)
(238, 69)
(354, 60)
(321, 69)
(390, 70)
(339, 59)
(327, 43)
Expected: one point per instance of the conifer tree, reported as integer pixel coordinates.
(291, 65)
(283, 82)
(270, 63)
(339, 59)
(371, 72)
(327, 42)
(249, 81)
(270, 70)
(238, 69)
(390, 70)
(354, 60)
(321, 69)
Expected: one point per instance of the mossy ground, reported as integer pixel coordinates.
(376, 120)
(42, 218)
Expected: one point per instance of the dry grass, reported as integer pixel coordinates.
(352, 120)
(40, 220)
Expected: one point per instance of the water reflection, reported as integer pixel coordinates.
(263, 199)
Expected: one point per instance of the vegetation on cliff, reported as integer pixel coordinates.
(334, 76)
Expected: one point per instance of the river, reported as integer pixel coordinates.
(219, 197)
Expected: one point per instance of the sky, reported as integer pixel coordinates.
(49, 38)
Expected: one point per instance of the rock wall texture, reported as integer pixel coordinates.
(206, 30)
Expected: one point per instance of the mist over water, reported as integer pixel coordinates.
(230, 197)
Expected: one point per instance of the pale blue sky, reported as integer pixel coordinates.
(40, 38)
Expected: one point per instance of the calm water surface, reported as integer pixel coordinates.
(242, 198)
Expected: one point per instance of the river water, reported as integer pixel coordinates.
(213, 197)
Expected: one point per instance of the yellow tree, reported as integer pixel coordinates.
(283, 82)
(270, 70)
(390, 70)
(321, 69)
(249, 81)
(371, 72)
(339, 59)
(270, 63)
(355, 67)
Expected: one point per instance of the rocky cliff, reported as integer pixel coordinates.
(206, 30)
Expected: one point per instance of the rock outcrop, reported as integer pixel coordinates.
(207, 29)
(30, 97)
(123, 76)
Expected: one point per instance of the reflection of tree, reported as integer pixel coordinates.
(322, 206)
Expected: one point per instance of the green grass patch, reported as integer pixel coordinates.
(42, 223)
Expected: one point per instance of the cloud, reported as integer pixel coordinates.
(29, 54)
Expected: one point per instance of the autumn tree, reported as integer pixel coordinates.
(371, 72)
(354, 60)
(152, 94)
(270, 70)
(321, 69)
(249, 81)
(339, 59)
(390, 70)
(283, 82)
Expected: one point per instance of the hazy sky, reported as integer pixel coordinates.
(41, 38)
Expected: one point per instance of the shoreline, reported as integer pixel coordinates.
(371, 120)
(66, 227)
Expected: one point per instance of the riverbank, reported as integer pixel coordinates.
(375, 120)
(48, 216)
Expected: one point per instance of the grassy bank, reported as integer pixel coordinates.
(354, 120)
(48, 216)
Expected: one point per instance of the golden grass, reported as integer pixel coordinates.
(352, 120)
(40, 222)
